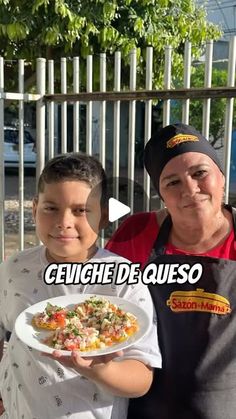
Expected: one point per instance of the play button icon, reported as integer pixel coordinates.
(116, 203)
(116, 209)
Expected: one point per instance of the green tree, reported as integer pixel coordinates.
(55, 28)
(218, 106)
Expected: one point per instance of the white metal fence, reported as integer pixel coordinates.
(93, 112)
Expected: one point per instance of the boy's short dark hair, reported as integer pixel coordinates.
(74, 166)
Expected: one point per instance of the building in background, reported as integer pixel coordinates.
(222, 13)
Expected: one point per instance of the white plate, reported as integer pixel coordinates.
(34, 338)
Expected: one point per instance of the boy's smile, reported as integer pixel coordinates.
(67, 222)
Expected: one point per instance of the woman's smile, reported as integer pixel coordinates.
(195, 203)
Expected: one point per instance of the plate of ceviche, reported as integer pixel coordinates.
(92, 324)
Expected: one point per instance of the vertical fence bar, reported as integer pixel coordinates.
(21, 155)
(207, 83)
(116, 148)
(76, 112)
(229, 115)
(40, 115)
(63, 106)
(51, 109)
(89, 113)
(116, 135)
(131, 139)
(187, 77)
(102, 136)
(167, 84)
(148, 123)
(102, 139)
(2, 172)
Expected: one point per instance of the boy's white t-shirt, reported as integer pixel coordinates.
(34, 386)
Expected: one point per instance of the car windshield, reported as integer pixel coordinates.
(27, 137)
(12, 136)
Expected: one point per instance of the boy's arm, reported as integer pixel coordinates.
(123, 378)
(128, 378)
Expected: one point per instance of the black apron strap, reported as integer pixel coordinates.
(162, 238)
(164, 232)
(233, 212)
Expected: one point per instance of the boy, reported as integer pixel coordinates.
(38, 387)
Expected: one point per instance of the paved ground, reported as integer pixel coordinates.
(11, 184)
(12, 211)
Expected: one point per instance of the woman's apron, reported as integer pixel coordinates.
(197, 338)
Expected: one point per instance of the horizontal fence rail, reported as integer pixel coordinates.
(191, 93)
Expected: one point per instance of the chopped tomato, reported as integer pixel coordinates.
(71, 346)
(60, 318)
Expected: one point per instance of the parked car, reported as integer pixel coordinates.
(11, 148)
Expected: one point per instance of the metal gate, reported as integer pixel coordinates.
(112, 107)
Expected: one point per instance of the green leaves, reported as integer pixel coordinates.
(81, 27)
(14, 31)
(52, 35)
(109, 10)
(62, 9)
(139, 26)
(38, 3)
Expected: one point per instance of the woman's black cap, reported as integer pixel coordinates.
(171, 141)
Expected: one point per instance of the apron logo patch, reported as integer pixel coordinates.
(199, 300)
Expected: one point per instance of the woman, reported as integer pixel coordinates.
(191, 243)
